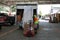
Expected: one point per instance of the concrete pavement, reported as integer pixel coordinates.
(47, 31)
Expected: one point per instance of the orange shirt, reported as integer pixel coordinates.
(35, 19)
(18, 18)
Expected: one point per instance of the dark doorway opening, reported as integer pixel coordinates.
(20, 14)
(34, 11)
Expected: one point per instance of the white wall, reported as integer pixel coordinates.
(22, 7)
(46, 8)
(28, 12)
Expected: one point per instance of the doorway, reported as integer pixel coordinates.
(20, 14)
(34, 11)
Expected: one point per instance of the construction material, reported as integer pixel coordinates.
(29, 30)
(58, 17)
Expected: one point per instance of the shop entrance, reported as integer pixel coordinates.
(20, 14)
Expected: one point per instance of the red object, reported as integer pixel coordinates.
(35, 19)
(2, 19)
(29, 33)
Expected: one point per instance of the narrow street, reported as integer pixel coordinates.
(47, 31)
(26, 14)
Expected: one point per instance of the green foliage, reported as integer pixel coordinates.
(13, 8)
(1, 8)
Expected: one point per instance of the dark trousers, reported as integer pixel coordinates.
(0, 27)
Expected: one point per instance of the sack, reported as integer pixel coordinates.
(29, 30)
(29, 33)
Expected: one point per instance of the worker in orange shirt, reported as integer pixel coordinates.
(36, 22)
(19, 20)
(35, 19)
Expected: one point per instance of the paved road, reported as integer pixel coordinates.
(47, 31)
(7, 29)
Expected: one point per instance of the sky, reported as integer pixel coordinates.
(46, 8)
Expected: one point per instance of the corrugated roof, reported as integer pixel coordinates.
(10, 2)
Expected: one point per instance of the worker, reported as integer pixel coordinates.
(19, 21)
(35, 19)
(36, 22)
(18, 18)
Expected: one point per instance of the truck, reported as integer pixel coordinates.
(6, 20)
